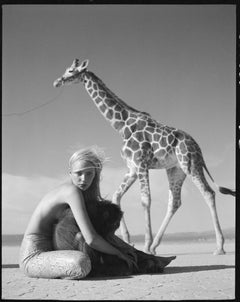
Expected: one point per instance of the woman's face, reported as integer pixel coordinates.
(82, 174)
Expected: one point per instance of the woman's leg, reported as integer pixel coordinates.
(66, 234)
(37, 259)
(63, 264)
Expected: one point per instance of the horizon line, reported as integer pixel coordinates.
(172, 233)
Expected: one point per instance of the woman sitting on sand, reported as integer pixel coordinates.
(53, 249)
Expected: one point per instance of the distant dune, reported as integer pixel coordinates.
(229, 234)
(11, 239)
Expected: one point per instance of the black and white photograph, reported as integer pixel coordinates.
(119, 151)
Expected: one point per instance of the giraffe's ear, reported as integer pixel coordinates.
(83, 65)
(75, 64)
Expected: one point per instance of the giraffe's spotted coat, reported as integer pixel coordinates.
(148, 144)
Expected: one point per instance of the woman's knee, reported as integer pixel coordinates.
(80, 266)
(62, 264)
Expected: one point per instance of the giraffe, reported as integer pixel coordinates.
(148, 144)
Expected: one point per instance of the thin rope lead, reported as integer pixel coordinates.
(34, 108)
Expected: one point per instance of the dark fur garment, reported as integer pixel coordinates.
(105, 218)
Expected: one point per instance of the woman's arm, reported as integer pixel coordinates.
(93, 239)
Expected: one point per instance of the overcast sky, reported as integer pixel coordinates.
(176, 62)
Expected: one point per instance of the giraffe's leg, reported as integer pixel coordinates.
(209, 195)
(176, 177)
(143, 176)
(128, 180)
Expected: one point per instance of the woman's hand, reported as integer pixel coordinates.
(122, 246)
(130, 262)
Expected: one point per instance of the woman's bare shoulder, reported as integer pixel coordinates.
(60, 192)
(68, 188)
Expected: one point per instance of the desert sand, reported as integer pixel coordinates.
(195, 274)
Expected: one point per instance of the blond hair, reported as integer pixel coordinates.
(96, 157)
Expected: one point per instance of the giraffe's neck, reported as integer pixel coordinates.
(112, 108)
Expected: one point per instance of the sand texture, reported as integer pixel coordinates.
(195, 274)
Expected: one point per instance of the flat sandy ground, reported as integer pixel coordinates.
(195, 274)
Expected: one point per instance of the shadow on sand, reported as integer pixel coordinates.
(196, 253)
(167, 271)
(10, 266)
(190, 269)
(170, 270)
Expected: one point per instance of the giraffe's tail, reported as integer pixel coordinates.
(222, 190)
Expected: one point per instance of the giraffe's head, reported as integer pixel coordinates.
(73, 74)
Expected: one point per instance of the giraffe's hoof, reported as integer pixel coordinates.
(147, 250)
(153, 251)
(219, 252)
(127, 240)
